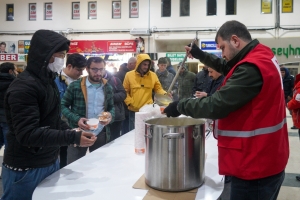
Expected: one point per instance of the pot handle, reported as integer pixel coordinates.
(173, 135)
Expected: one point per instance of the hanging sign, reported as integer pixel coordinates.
(134, 9)
(92, 10)
(116, 9)
(48, 11)
(32, 11)
(75, 10)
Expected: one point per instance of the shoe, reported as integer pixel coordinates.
(298, 178)
(228, 179)
(294, 127)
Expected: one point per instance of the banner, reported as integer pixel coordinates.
(116, 9)
(210, 46)
(8, 57)
(75, 10)
(102, 46)
(32, 11)
(23, 46)
(134, 9)
(92, 10)
(8, 46)
(48, 11)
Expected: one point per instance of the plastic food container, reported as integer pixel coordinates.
(93, 123)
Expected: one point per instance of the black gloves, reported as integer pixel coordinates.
(196, 52)
(171, 110)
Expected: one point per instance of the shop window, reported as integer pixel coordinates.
(230, 7)
(166, 8)
(184, 8)
(211, 7)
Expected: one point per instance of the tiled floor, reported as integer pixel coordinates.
(290, 189)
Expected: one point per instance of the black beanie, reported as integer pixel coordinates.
(64, 47)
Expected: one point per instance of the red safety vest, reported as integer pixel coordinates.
(253, 141)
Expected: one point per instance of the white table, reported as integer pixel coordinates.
(110, 172)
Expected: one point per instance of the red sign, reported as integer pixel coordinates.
(102, 46)
(8, 57)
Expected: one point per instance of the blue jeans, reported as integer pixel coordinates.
(131, 120)
(3, 133)
(259, 189)
(21, 184)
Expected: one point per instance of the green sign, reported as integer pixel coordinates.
(176, 57)
(288, 51)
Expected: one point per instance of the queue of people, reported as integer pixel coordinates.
(236, 91)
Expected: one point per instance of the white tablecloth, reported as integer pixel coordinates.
(110, 172)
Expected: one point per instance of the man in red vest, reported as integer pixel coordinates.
(249, 109)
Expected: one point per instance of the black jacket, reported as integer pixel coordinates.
(214, 85)
(32, 108)
(122, 72)
(202, 82)
(5, 80)
(288, 83)
(119, 96)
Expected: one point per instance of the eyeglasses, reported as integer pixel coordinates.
(95, 70)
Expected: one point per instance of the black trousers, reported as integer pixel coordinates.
(63, 156)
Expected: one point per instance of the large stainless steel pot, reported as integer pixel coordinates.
(175, 153)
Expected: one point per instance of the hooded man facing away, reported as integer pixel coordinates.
(32, 108)
(139, 84)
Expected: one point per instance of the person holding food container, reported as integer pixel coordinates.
(249, 112)
(88, 105)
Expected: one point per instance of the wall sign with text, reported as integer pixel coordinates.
(116, 9)
(32, 11)
(134, 9)
(48, 11)
(92, 10)
(75, 10)
(9, 12)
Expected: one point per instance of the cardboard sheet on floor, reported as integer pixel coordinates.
(153, 194)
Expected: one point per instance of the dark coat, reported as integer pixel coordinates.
(119, 96)
(122, 72)
(214, 85)
(5, 81)
(288, 83)
(202, 82)
(32, 108)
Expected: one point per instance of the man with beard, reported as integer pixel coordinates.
(87, 98)
(250, 114)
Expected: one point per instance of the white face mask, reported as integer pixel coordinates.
(57, 65)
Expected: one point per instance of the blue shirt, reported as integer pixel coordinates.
(95, 102)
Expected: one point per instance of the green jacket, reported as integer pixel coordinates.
(73, 103)
(185, 84)
(241, 87)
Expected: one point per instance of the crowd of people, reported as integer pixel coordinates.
(44, 110)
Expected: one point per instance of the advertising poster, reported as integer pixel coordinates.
(134, 9)
(9, 12)
(48, 11)
(23, 46)
(8, 47)
(287, 6)
(32, 11)
(92, 10)
(210, 46)
(90, 47)
(266, 6)
(116, 9)
(75, 10)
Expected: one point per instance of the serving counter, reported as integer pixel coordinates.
(110, 172)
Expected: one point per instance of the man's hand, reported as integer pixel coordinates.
(199, 94)
(171, 110)
(193, 52)
(109, 117)
(87, 139)
(82, 124)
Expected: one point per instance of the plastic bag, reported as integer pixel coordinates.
(153, 109)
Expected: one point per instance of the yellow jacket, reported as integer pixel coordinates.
(139, 88)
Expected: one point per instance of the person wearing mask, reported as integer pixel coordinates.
(138, 85)
(32, 111)
(119, 97)
(8, 72)
(76, 63)
(185, 81)
(87, 98)
(202, 81)
(249, 112)
(124, 68)
(294, 106)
